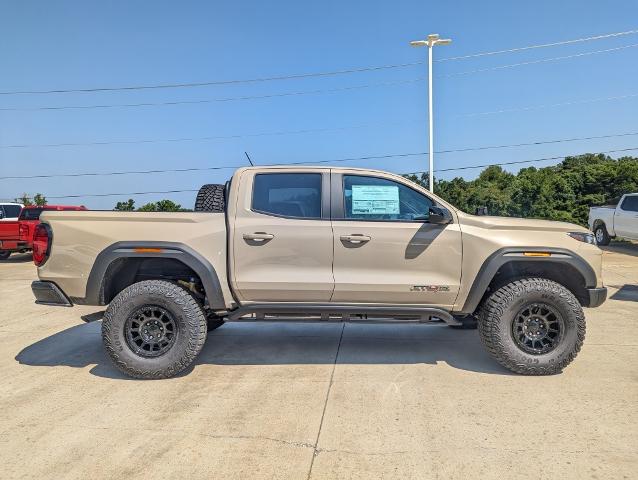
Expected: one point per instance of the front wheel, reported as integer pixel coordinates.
(4, 254)
(532, 326)
(153, 329)
(602, 236)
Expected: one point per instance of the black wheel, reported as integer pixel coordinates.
(211, 198)
(4, 254)
(602, 236)
(467, 323)
(153, 329)
(532, 326)
(214, 323)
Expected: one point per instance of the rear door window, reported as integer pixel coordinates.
(294, 195)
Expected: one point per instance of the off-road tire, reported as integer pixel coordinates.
(214, 323)
(499, 310)
(189, 338)
(4, 254)
(211, 198)
(601, 234)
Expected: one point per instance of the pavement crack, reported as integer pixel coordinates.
(200, 434)
(325, 405)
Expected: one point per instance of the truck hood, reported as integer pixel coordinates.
(513, 223)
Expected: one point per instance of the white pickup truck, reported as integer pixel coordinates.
(615, 221)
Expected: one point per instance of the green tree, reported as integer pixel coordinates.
(25, 200)
(168, 206)
(562, 192)
(39, 199)
(127, 206)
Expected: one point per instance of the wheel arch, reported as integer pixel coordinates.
(175, 256)
(597, 223)
(558, 264)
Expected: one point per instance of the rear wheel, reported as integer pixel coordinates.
(153, 329)
(211, 198)
(4, 254)
(602, 236)
(532, 326)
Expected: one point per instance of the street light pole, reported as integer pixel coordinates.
(432, 40)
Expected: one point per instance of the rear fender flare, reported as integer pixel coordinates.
(178, 251)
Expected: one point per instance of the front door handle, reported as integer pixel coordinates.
(258, 236)
(355, 238)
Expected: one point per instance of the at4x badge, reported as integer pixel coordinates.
(429, 288)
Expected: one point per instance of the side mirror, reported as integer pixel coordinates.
(439, 216)
(481, 211)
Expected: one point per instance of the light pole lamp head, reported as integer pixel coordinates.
(433, 39)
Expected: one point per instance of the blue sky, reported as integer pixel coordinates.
(79, 44)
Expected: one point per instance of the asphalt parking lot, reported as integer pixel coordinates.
(321, 401)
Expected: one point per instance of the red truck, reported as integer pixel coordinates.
(17, 235)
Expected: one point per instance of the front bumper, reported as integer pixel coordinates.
(48, 293)
(596, 297)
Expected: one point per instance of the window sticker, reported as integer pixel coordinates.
(375, 199)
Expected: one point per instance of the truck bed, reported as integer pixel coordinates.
(80, 236)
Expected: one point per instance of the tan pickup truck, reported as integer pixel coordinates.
(324, 244)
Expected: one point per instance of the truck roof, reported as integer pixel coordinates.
(314, 167)
(55, 207)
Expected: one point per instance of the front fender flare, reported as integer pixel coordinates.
(509, 254)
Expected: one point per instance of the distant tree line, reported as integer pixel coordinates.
(37, 199)
(561, 192)
(159, 206)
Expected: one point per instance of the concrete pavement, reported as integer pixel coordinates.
(321, 401)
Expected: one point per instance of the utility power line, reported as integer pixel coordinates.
(313, 74)
(298, 93)
(534, 62)
(543, 45)
(548, 105)
(518, 162)
(214, 100)
(196, 139)
(195, 169)
(536, 160)
(293, 132)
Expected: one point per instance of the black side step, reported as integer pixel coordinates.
(324, 311)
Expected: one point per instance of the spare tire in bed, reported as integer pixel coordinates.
(211, 198)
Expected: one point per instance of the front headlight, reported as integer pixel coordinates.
(583, 237)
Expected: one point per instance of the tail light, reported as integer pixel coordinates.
(41, 244)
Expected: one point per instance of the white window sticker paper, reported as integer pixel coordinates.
(375, 199)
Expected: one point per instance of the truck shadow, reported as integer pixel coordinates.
(625, 293)
(286, 344)
(18, 258)
(626, 248)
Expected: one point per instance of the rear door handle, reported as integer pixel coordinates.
(355, 238)
(258, 236)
